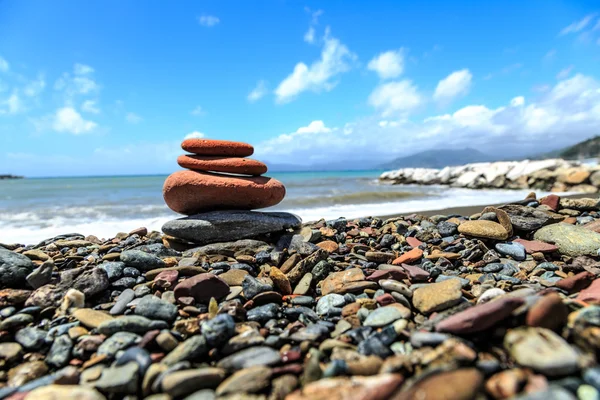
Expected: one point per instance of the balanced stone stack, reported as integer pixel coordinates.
(217, 192)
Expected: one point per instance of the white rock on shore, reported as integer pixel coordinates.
(554, 175)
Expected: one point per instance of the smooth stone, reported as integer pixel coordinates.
(395, 286)
(118, 341)
(154, 308)
(386, 315)
(204, 394)
(124, 298)
(130, 323)
(576, 283)
(137, 355)
(91, 318)
(421, 339)
(190, 349)
(191, 192)
(31, 338)
(254, 356)
(548, 312)
(202, 288)
(490, 294)
(218, 226)
(121, 379)
(480, 317)
(64, 392)
(515, 250)
(378, 387)
(233, 165)
(571, 240)
(181, 383)
(461, 384)
(542, 350)
(41, 275)
(15, 321)
(60, 352)
(591, 294)
(304, 285)
(213, 147)
(253, 286)
(234, 277)
(483, 229)
(114, 269)
(336, 281)
(10, 352)
(536, 246)
(262, 313)
(141, 260)
(437, 296)
(26, 372)
(218, 330)
(248, 380)
(329, 303)
(528, 218)
(14, 268)
(280, 281)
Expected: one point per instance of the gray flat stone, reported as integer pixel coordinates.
(571, 240)
(219, 226)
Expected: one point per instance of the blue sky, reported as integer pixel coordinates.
(112, 87)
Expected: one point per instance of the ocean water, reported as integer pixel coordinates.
(32, 210)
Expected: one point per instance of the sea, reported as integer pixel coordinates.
(34, 209)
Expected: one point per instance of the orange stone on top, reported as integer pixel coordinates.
(233, 165)
(190, 192)
(211, 147)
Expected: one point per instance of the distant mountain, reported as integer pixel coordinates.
(438, 159)
(589, 148)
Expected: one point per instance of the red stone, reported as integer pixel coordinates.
(535, 246)
(409, 257)
(166, 279)
(415, 273)
(413, 241)
(233, 165)
(211, 147)
(593, 226)
(576, 283)
(387, 274)
(385, 299)
(480, 317)
(548, 312)
(202, 287)
(191, 192)
(591, 294)
(552, 201)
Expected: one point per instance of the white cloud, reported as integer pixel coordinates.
(82, 69)
(258, 92)
(303, 137)
(389, 64)
(517, 101)
(14, 104)
(133, 118)
(335, 59)
(456, 84)
(198, 111)
(309, 36)
(194, 135)
(90, 106)
(564, 114)
(396, 98)
(208, 20)
(67, 119)
(564, 73)
(578, 26)
(35, 87)
(3, 65)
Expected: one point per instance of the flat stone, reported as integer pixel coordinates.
(218, 330)
(580, 204)
(536, 246)
(576, 283)
(571, 240)
(233, 165)
(234, 277)
(541, 350)
(130, 323)
(480, 317)
(41, 276)
(190, 349)
(378, 387)
(141, 260)
(409, 257)
(462, 384)
(254, 356)
(329, 303)
(10, 352)
(548, 312)
(304, 285)
(384, 316)
(154, 308)
(483, 229)
(336, 281)
(515, 250)
(121, 379)
(437, 296)
(64, 392)
(202, 288)
(91, 318)
(191, 192)
(280, 281)
(181, 383)
(218, 226)
(591, 294)
(528, 218)
(212, 147)
(14, 268)
(124, 298)
(247, 380)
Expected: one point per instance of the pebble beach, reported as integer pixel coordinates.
(228, 302)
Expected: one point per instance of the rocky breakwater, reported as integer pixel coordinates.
(501, 304)
(218, 191)
(554, 175)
